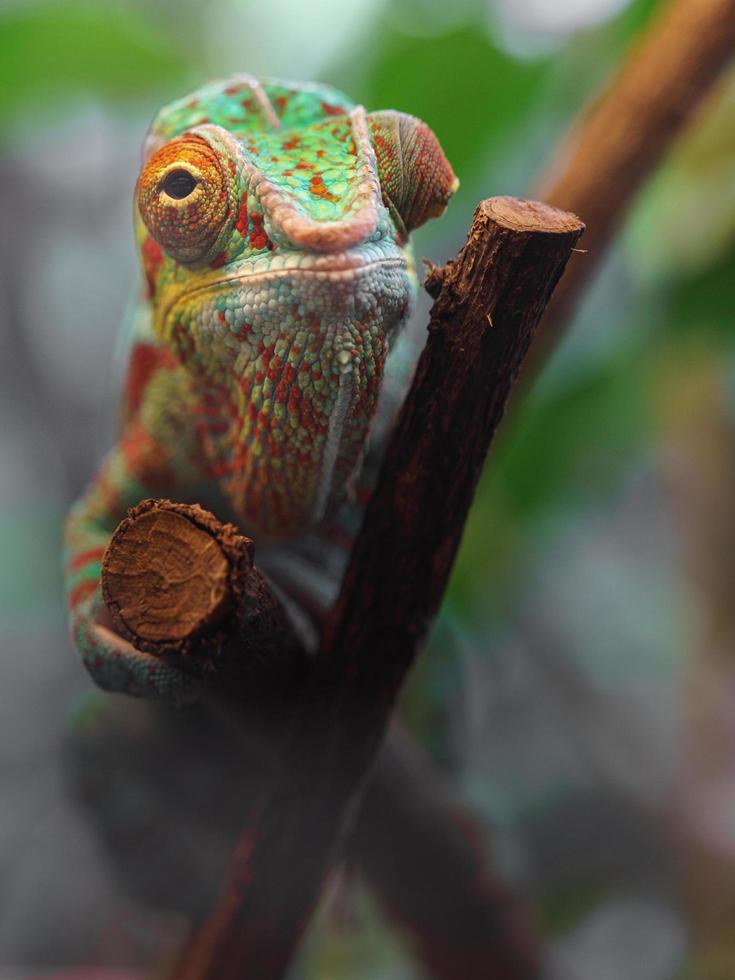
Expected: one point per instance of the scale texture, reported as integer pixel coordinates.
(272, 221)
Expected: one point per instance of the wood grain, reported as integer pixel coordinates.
(164, 578)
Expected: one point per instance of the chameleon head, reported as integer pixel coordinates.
(273, 223)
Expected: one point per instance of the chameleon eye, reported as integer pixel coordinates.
(179, 184)
(185, 195)
(416, 178)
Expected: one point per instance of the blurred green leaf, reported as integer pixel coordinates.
(564, 908)
(635, 16)
(563, 451)
(49, 51)
(702, 302)
(573, 441)
(472, 92)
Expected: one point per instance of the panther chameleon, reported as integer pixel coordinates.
(272, 220)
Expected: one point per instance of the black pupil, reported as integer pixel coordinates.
(179, 184)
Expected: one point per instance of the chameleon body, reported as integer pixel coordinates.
(272, 221)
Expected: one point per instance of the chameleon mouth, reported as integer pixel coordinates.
(294, 265)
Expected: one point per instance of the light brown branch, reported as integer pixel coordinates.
(623, 135)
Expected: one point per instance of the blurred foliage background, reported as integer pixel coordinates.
(587, 629)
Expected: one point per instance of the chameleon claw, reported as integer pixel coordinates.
(116, 666)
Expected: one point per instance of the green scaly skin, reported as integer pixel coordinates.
(272, 221)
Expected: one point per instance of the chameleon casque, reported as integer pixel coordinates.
(272, 220)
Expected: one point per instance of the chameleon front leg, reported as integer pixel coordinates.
(138, 467)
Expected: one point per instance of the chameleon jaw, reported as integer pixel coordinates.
(295, 357)
(326, 268)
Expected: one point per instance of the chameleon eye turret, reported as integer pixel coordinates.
(184, 196)
(416, 178)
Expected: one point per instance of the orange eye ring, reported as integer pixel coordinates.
(184, 196)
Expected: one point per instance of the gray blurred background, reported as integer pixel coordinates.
(579, 685)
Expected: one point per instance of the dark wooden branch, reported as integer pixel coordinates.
(425, 855)
(180, 584)
(624, 134)
(489, 301)
(422, 851)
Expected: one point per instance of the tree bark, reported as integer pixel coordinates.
(423, 852)
(488, 303)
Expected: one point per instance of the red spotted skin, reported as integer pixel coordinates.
(276, 275)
